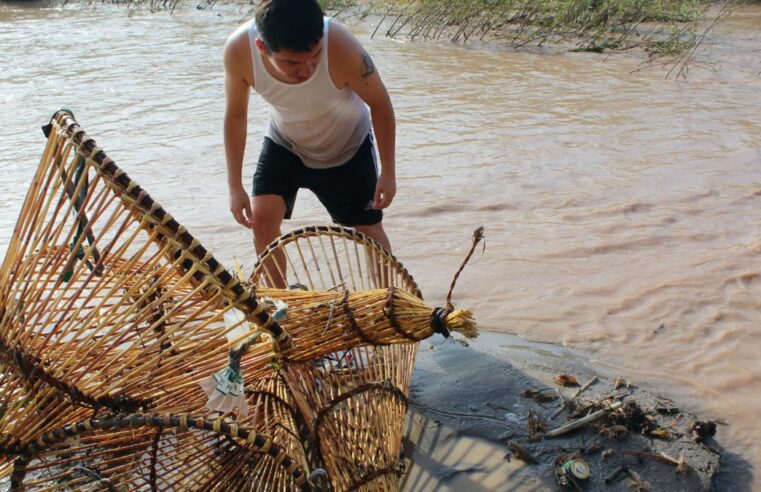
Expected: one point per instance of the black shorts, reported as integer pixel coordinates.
(346, 191)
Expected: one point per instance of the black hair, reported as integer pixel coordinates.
(294, 25)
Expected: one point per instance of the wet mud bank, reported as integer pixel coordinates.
(481, 417)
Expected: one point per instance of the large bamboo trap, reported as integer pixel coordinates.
(111, 314)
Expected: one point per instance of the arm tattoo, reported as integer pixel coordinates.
(368, 67)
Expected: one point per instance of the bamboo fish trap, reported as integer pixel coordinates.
(109, 308)
(111, 313)
(347, 375)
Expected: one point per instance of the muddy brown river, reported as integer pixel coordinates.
(621, 209)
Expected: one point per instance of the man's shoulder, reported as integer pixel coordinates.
(238, 45)
(342, 43)
(240, 37)
(237, 53)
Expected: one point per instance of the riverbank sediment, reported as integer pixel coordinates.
(480, 416)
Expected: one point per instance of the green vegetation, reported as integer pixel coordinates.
(660, 27)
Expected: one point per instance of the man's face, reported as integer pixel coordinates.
(292, 66)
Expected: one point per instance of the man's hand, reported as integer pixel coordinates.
(385, 191)
(240, 206)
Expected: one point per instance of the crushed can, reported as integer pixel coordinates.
(568, 471)
(577, 468)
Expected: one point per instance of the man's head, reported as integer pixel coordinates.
(290, 36)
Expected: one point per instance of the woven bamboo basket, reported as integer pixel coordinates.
(107, 302)
(347, 375)
(109, 307)
(111, 313)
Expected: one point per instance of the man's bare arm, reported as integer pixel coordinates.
(237, 88)
(354, 68)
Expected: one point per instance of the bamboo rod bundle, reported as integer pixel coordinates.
(324, 322)
(154, 452)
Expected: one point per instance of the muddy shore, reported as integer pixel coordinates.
(468, 407)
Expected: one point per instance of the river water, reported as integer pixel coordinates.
(621, 209)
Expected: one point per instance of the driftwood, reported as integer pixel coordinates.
(573, 425)
(680, 464)
(564, 404)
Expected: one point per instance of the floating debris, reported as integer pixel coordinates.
(569, 470)
(535, 423)
(565, 380)
(618, 475)
(636, 483)
(660, 433)
(539, 396)
(681, 464)
(573, 425)
(621, 382)
(614, 432)
(568, 403)
(703, 430)
(520, 452)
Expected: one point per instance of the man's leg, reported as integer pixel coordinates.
(377, 271)
(268, 214)
(376, 232)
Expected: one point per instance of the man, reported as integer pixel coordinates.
(319, 83)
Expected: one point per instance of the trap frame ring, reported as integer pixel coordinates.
(257, 442)
(334, 232)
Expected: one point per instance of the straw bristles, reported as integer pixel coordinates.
(462, 321)
(320, 322)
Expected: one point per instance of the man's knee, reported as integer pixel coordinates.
(370, 230)
(264, 222)
(267, 213)
(376, 232)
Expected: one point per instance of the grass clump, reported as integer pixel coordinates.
(660, 27)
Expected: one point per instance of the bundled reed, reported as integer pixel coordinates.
(322, 322)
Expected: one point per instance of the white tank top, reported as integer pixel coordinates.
(321, 124)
